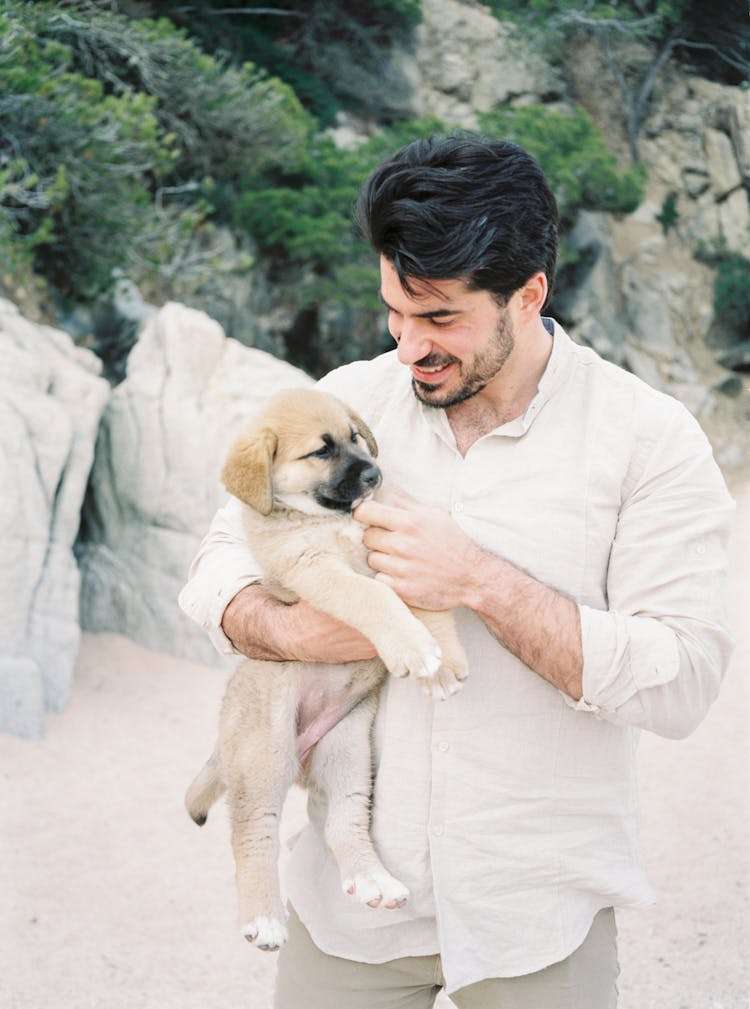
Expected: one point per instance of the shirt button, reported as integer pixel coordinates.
(437, 831)
(443, 747)
(458, 506)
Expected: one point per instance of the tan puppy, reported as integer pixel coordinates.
(300, 469)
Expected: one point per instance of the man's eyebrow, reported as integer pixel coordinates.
(436, 313)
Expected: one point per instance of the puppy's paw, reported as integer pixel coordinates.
(448, 680)
(265, 932)
(376, 888)
(419, 656)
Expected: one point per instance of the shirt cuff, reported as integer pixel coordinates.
(209, 613)
(621, 655)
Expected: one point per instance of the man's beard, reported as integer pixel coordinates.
(480, 372)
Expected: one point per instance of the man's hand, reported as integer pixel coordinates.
(428, 560)
(261, 627)
(419, 552)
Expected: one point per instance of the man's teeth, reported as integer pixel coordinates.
(433, 368)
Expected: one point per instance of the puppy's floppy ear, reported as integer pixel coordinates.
(247, 471)
(363, 430)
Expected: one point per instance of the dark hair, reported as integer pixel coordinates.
(462, 206)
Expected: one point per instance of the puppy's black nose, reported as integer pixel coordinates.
(370, 477)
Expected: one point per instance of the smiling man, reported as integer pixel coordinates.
(576, 521)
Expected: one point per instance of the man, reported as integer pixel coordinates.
(575, 519)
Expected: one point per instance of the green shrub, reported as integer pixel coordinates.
(303, 214)
(110, 133)
(581, 170)
(331, 52)
(73, 159)
(668, 215)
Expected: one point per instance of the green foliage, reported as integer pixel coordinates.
(302, 214)
(573, 154)
(106, 126)
(219, 115)
(668, 215)
(330, 52)
(732, 292)
(125, 148)
(73, 158)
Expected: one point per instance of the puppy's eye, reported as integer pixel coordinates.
(322, 453)
(355, 436)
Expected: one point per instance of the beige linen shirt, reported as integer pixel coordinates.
(511, 811)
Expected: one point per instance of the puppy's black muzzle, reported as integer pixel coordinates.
(354, 475)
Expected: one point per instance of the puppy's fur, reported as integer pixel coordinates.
(302, 466)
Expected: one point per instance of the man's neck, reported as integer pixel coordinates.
(509, 393)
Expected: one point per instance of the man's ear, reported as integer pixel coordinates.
(363, 430)
(533, 294)
(247, 470)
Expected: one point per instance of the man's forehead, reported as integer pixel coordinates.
(430, 292)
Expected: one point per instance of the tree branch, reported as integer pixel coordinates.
(738, 63)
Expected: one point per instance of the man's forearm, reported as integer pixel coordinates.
(262, 627)
(534, 622)
(257, 624)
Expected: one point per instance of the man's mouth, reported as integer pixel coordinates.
(431, 374)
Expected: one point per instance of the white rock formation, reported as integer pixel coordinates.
(155, 482)
(51, 399)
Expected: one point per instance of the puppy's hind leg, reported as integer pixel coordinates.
(206, 789)
(259, 764)
(342, 768)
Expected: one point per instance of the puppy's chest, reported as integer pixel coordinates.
(341, 539)
(279, 546)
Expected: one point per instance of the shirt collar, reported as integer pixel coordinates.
(558, 366)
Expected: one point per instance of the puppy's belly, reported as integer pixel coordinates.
(326, 694)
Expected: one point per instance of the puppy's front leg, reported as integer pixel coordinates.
(402, 642)
(454, 667)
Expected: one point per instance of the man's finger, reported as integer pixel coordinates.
(373, 513)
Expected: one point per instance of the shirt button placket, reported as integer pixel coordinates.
(437, 828)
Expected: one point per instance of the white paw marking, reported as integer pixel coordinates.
(421, 661)
(430, 662)
(448, 681)
(265, 932)
(376, 889)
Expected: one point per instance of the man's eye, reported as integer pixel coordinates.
(442, 323)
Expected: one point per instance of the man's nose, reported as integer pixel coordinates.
(413, 341)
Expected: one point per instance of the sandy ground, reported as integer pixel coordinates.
(110, 897)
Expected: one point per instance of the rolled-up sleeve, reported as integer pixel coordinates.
(223, 565)
(656, 657)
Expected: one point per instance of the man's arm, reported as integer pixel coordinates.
(656, 657)
(262, 627)
(224, 595)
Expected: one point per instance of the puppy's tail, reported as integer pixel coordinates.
(205, 790)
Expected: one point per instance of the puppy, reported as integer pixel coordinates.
(306, 461)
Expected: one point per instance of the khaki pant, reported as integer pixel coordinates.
(310, 979)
